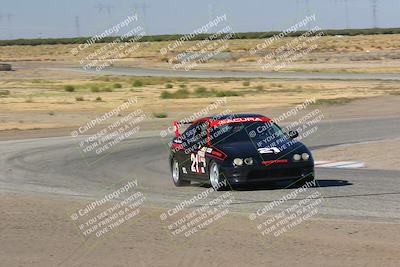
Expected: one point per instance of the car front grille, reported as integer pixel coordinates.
(275, 173)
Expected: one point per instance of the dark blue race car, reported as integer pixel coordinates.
(238, 149)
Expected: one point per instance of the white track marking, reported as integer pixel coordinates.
(340, 164)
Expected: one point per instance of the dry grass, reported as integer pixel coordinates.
(28, 102)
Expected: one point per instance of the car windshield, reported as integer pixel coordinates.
(250, 131)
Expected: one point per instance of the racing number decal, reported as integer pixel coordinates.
(197, 159)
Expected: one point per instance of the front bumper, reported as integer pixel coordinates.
(268, 173)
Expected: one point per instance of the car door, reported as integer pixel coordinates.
(183, 155)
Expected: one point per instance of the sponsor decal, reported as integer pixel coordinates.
(216, 153)
(239, 120)
(278, 161)
(269, 150)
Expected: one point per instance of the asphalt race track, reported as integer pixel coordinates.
(232, 74)
(55, 166)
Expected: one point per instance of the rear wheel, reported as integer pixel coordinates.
(177, 175)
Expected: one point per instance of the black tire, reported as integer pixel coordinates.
(177, 174)
(215, 177)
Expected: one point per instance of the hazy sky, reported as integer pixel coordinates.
(58, 18)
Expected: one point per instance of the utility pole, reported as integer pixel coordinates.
(374, 5)
(109, 7)
(210, 12)
(100, 7)
(143, 7)
(78, 26)
(8, 16)
(346, 12)
(307, 10)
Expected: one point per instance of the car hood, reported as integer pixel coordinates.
(268, 151)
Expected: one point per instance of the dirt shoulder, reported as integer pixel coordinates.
(373, 154)
(37, 231)
(26, 124)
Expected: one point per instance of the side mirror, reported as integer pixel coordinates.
(177, 140)
(293, 134)
(176, 144)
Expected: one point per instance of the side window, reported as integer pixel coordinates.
(201, 133)
(188, 135)
(195, 134)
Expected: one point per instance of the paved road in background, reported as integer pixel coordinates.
(234, 74)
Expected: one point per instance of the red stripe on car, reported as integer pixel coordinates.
(278, 161)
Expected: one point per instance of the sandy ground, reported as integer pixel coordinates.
(373, 154)
(36, 231)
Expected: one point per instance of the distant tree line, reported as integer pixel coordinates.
(174, 37)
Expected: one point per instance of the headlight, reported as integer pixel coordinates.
(248, 161)
(238, 162)
(305, 156)
(296, 157)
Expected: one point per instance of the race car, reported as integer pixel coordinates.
(237, 149)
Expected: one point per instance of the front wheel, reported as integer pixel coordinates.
(177, 175)
(215, 177)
